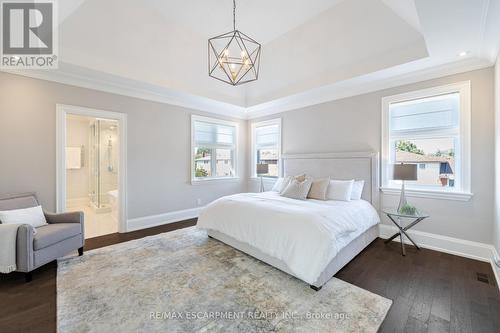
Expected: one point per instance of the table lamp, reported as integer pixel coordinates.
(404, 172)
(262, 169)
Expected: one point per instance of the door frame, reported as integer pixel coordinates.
(62, 110)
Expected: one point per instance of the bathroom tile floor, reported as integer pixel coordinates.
(95, 224)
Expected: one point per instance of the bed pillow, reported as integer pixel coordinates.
(340, 190)
(288, 179)
(278, 184)
(318, 190)
(297, 189)
(32, 215)
(357, 189)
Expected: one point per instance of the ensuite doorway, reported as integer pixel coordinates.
(90, 168)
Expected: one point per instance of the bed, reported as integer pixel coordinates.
(309, 239)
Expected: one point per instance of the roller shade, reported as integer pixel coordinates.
(426, 113)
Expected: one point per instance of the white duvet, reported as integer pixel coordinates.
(305, 234)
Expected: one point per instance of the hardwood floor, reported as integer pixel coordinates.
(432, 291)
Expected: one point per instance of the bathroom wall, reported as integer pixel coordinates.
(109, 158)
(77, 180)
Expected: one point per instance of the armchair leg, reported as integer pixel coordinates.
(80, 251)
(28, 277)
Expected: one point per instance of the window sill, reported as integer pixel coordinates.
(214, 180)
(429, 194)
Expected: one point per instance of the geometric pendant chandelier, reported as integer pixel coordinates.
(233, 57)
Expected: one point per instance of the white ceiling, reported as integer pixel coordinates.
(311, 49)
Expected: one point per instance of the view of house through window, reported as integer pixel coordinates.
(266, 141)
(435, 159)
(214, 146)
(426, 131)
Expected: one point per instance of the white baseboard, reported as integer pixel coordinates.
(456, 246)
(156, 220)
(495, 268)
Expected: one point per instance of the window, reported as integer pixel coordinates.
(266, 146)
(214, 148)
(430, 128)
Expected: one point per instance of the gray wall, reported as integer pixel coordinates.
(354, 124)
(158, 146)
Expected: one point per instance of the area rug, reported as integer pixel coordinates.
(183, 281)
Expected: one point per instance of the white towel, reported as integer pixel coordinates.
(8, 237)
(73, 157)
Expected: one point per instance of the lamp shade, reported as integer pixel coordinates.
(405, 172)
(262, 168)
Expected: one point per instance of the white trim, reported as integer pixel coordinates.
(456, 246)
(96, 80)
(384, 79)
(61, 114)
(429, 194)
(253, 127)
(215, 180)
(197, 181)
(160, 219)
(464, 89)
(494, 267)
(377, 81)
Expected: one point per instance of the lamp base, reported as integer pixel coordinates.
(402, 199)
(261, 185)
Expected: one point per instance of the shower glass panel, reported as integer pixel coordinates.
(103, 157)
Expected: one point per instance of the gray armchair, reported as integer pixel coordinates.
(63, 233)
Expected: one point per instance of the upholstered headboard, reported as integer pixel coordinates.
(347, 165)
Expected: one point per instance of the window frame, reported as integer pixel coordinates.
(253, 159)
(464, 192)
(217, 121)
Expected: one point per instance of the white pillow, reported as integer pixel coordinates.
(278, 184)
(357, 189)
(32, 215)
(340, 190)
(297, 189)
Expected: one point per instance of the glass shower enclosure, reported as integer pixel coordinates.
(103, 156)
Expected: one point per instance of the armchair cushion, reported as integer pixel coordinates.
(54, 233)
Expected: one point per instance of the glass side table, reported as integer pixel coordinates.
(397, 218)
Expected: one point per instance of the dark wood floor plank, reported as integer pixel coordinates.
(431, 291)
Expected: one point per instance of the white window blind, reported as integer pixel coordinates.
(266, 146)
(214, 144)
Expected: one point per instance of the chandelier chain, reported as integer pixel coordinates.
(234, 14)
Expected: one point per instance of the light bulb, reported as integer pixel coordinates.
(226, 53)
(243, 54)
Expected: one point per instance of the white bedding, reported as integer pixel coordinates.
(305, 234)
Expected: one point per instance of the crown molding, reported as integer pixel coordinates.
(96, 80)
(380, 80)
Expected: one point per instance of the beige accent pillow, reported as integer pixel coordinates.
(288, 179)
(297, 189)
(318, 189)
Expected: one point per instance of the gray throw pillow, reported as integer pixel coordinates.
(297, 189)
(318, 189)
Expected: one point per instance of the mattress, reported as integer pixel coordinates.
(305, 235)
